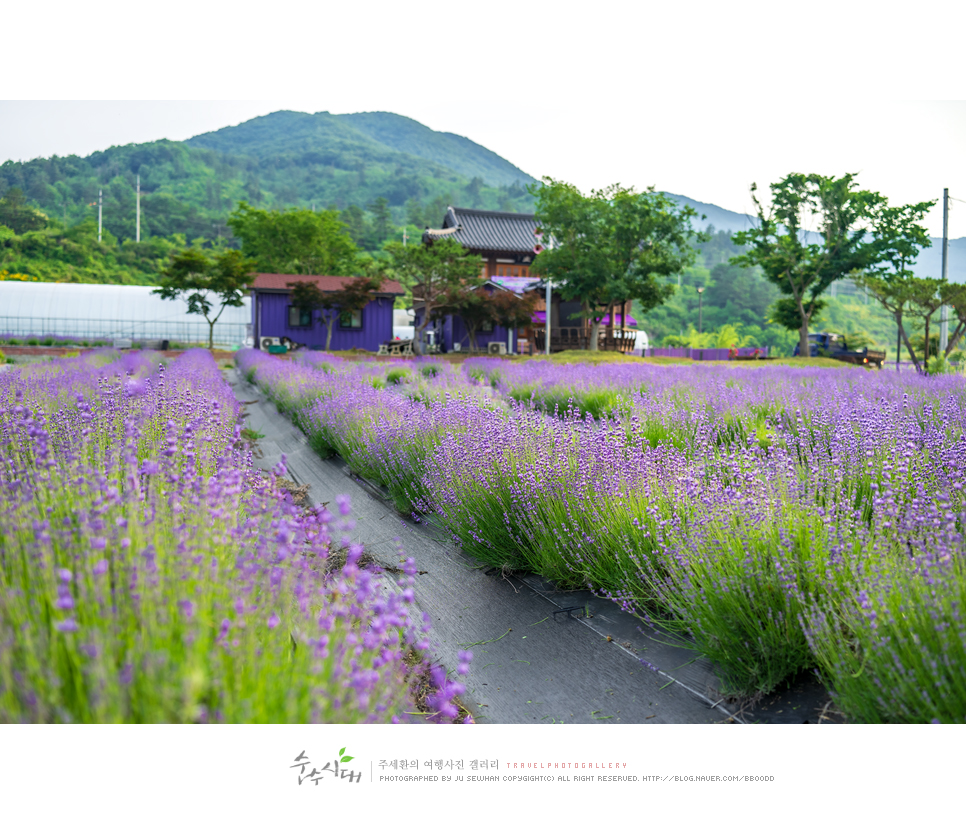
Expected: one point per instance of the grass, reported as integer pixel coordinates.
(597, 402)
(582, 356)
(596, 358)
(398, 375)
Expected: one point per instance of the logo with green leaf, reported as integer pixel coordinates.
(343, 758)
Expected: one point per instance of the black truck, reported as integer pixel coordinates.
(826, 344)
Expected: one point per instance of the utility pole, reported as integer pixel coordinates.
(944, 314)
(547, 335)
(100, 213)
(405, 237)
(700, 295)
(137, 227)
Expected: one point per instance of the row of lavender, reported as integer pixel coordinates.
(148, 573)
(782, 519)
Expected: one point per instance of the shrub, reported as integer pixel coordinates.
(938, 365)
(398, 375)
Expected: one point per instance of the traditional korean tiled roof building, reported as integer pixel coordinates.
(505, 240)
(508, 244)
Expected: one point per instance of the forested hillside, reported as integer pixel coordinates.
(385, 169)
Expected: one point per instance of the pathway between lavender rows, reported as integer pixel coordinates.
(533, 662)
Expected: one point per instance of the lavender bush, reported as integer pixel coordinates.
(149, 574)
(770, 514)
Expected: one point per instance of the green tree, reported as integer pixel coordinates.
(478, 306)
(433, 272)
(919, 297)
(611, 246)
(354, 296)
(17, 215)
(925, 298)
(294, 241)
(741, 293)
(802, 270)
(894, 295)
(308, 297)
(474, 306)
(726, 337)
(785, 312)
(473, 191)
(381, 219)
(414, 212)
(513, 310)
(954, 296)
(207, 284)
(434, 211)
(354, 218)
(898, 237)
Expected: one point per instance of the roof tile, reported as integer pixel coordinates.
(489, 230)
(279, 282)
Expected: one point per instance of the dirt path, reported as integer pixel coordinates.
(534, 662)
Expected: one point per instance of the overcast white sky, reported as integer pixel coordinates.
(700, 100)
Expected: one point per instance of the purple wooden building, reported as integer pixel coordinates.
(505, 243)
(452, 330)
(273, 314)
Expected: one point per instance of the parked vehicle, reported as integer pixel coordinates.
(826, 344)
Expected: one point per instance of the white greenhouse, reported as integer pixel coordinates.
(39, 309)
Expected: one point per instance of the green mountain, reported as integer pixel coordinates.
(349, 162)
(380, 138)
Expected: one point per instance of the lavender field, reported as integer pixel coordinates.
(149, 573)
(780, 520)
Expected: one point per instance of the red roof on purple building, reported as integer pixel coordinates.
(280, 282)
